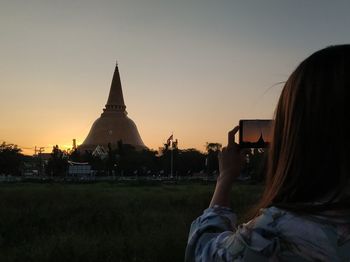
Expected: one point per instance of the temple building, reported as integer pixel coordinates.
(113, 125)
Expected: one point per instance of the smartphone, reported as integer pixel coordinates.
(255, 133)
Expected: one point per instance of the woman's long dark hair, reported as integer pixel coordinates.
(309, 156)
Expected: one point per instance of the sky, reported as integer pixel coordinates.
(188, 67)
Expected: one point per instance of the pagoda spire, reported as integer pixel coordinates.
(115, 100)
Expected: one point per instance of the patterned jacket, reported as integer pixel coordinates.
(275, 235)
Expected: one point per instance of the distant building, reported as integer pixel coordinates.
(79, 169)
(100, 152)
(113, 125)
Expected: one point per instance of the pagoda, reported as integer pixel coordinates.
(113, 125)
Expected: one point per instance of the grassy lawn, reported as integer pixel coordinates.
(103, 221)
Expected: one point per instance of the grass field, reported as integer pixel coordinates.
(103, 221)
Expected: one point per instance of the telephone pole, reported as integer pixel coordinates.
(37, 152)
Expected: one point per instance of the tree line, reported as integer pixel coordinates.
(125, 160)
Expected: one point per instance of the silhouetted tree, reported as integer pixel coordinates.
(58, 163)
(97, 163)
(131, 160)
(190, 161)
(10, 159)
(213, 147)
(111, 161)
(212, 163)
(75, 156)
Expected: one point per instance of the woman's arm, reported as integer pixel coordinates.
(214, 235)
(230, 161)
(212, 232)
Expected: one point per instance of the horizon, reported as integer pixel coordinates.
(191, 68)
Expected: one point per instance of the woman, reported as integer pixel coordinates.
(304, 213)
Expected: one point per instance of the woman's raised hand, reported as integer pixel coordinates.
(230, 159)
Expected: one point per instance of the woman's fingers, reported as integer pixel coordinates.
(231, 136)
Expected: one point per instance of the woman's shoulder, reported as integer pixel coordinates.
(278, 232)
(283, 221)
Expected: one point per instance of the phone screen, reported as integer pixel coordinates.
(255, 133)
